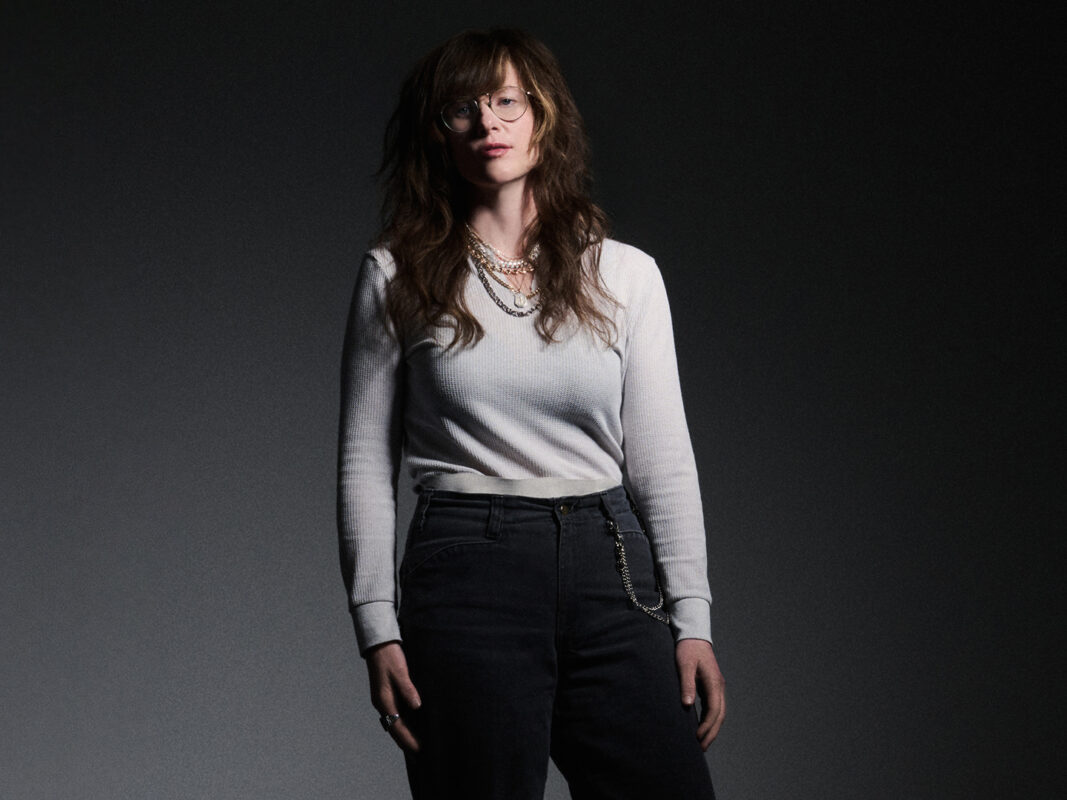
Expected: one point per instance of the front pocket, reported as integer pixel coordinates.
(445, 530)
(415, 561)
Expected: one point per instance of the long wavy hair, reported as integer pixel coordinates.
(426, 202)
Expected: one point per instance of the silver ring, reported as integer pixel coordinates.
(388, 721)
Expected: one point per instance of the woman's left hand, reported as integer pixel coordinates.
(698, 671)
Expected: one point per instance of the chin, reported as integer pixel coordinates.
(491, 181)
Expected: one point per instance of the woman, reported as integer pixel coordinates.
(524, 365)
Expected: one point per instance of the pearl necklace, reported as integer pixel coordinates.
(509, 266)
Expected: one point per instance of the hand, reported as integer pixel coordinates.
(698, 671)
(392, 691)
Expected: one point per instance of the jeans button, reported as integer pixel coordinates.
(564, 509)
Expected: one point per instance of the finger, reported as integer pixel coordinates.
(712, 734)
(399, 729)
(383, 699)
(403, 736)
(714, 712)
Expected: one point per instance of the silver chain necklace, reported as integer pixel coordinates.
(503, 306)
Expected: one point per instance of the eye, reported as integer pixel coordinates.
(460, 110)
(507, 97)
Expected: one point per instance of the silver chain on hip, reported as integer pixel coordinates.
(623, 568)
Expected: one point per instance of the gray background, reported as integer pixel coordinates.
(852, 207)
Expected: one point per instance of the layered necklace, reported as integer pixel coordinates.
(491, 263)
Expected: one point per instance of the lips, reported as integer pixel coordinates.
(493, 150)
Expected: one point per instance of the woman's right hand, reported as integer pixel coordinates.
(392, 691)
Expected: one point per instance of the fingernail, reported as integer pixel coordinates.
(687, 700)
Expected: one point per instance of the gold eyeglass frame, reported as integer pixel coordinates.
(477, 104)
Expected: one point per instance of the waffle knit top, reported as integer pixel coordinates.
(514, 415)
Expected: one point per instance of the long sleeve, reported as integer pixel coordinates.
(369, 453)
(659, 462)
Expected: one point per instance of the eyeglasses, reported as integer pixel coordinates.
(508, 103)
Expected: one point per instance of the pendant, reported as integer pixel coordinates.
(520, 300)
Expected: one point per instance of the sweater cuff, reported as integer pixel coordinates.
(691, 619)
(375, 623)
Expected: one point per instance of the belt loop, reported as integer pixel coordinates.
(423, 505)
(609, 514)
(492, 529)
(635, 509)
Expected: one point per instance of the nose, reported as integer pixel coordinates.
(487, 120)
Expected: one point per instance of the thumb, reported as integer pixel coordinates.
(687, 681)
(407, 691)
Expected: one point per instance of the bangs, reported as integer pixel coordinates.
(478, 66)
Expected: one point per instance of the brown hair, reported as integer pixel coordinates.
(425, 200)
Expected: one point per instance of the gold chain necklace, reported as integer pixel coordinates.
(486, 267)
(519, 293)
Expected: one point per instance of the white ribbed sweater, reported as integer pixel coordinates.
(513, 407)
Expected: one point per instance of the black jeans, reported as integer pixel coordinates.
(523, 644)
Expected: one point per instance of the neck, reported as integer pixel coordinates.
(502, 217)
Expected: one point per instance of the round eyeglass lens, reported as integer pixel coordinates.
(508, 103)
